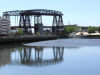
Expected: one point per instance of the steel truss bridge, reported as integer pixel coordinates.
(25, 19)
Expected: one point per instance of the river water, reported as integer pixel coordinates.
(50, 59)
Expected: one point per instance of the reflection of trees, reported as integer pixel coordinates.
(27, 60)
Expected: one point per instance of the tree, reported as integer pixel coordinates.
(99, 29)
(96, 28)
(20, 31)
(91, 29)
(70, 29)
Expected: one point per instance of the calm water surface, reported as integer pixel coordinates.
(25, 60)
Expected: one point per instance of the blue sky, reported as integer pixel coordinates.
(81, 12)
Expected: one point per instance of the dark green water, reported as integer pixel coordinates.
(25, 60)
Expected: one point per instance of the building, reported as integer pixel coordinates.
(5, 27)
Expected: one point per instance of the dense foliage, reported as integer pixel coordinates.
(68, 30)
(91, 30)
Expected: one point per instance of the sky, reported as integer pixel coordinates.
(80, 12)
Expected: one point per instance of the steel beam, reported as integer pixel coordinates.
(33, 12)
(37, 19)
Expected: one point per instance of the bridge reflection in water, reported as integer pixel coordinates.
(33, 56)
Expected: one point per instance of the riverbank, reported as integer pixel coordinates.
(23, 40)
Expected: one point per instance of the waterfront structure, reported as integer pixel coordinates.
(4, 26)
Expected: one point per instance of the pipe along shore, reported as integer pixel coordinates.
(23, 40)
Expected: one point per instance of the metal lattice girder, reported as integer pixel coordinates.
(54, 24)
(27, 24)
(21, 21)
(54, 21)
(37, 19)
(60, 21)
(33, 12)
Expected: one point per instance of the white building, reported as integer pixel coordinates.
(5, 27)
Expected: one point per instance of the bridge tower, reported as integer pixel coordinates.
(57, 25)
(38, 24)
(54, 24)
(60, 25)
(25, 22)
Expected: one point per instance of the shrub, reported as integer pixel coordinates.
(37, 33)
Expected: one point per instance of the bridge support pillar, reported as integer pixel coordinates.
(60, 25)
(54, 25)
(25, 22)
(21, 21)
(38, 23)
